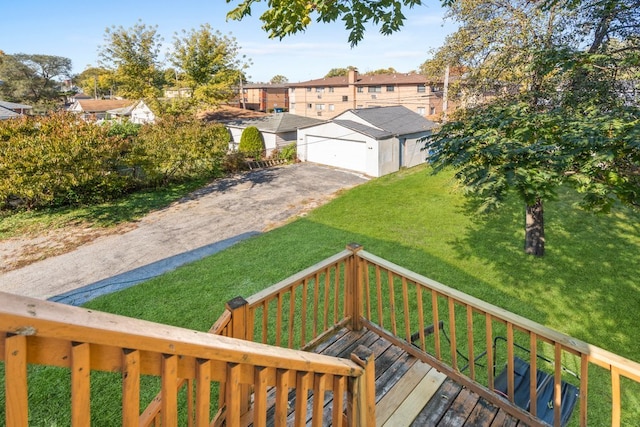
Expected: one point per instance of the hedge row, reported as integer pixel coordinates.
(60, 160)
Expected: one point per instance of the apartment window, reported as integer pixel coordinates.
(391, 88)
(345, 98)
(319, 90)
(432, 110)
(422, 88)
(319, 107)
(360, 89)
(309, 106)
(421, 111)
(308, 89)
(332, 107)
(374, 89)
(331, 89)
(436, 88)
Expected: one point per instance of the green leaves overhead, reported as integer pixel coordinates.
(286, 17)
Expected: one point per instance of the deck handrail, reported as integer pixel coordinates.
(47, 333)
(402, 279)
(355, 290)
(598, 355)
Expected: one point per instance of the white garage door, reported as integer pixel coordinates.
(342, 153)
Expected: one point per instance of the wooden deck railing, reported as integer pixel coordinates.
(34, 332)
(400, 304)
(358, 289)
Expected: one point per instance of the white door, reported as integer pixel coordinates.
(341, 153)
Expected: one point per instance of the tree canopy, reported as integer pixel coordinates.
(278, 79)
(208, 62)
(132, 54)
(33, 78)
(557, 84)
(283, 18)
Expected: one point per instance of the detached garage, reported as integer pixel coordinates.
(374, 141)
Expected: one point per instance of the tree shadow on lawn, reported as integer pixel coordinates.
(586, 285)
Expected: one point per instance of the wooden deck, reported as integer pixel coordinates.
(410, 392)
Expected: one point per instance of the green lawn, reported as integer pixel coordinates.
(586, 286)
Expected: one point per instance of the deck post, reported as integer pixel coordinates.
(239, 309)
(353, 288)
(361, 406)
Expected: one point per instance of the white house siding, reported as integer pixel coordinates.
(141, 114)
(388, 156)
(412, 154)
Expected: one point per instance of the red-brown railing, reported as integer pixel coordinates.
(34, 332)
(402, 305)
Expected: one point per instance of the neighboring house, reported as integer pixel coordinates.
(265, 97)
(329, 97)
(178, 92)
(96, 109)
(373, 141)
(139, 113)
(16, 108)
(278, 130)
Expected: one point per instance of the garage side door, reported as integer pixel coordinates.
(342, 153)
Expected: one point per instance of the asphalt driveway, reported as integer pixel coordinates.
(209, 220)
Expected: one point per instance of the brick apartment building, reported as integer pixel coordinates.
(327, 97)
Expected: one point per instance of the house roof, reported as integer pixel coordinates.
(14, 105)
(102, 105)
(226, 113)
(366, 80)
(279, 122)
(397, 120)
(5, 113)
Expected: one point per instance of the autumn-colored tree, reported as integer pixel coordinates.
(132, 55)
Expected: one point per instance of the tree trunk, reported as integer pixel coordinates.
(534, 229)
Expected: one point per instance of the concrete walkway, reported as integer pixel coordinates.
(209, 220)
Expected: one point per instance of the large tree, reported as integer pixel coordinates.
(132, 54)
(283, 18)
(96, 81)
(209, 63)
(553, 81)
(33, 79)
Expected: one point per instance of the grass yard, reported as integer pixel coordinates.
(586, 286)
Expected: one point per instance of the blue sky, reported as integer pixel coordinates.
(75, 29)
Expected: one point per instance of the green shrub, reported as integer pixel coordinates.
(251, 143)
(59, 160)
(234, 162)
(176, 148)
(289, 152)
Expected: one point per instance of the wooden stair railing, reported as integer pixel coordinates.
(34, 332)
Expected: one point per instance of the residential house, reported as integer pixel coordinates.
(138, 112)
(16, 108)
(332, 96)
(264, 97)
(373, 141)
(278, 130)
(177, 92)
(96, 109)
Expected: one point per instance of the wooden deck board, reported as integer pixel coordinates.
(408, 392)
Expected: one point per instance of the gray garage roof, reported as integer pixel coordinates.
(279, 122)
(364, 129)
(397, 120)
